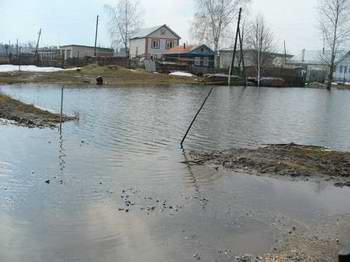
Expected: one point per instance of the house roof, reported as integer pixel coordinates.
(344, 57)
(86, 46)
(145, 32)
(184, 49)
(316, 57)
(252, 50)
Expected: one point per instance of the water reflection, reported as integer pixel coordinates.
(61, 154)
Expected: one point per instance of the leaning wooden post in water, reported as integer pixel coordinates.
(234, 48)
(195, 117)
(61, 113)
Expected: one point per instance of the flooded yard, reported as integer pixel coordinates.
(112, 186)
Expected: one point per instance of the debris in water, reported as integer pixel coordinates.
(196, 256)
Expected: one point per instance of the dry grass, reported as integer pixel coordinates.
(113, 76)
(26, 114)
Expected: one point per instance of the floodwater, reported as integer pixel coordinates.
(125, 147)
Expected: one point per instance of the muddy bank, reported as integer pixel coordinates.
(287, 160)
(310, 243)
(112, 75)
(28, 115)
(297, 240)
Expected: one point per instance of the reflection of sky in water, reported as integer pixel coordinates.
(129, 137)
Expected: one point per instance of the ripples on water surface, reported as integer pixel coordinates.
(129, 137)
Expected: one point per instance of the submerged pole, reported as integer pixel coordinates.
(61, 113)
(195, 117)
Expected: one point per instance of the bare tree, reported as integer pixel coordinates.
(335, 29)
(214, 21)
(259, 41)
(125, 20)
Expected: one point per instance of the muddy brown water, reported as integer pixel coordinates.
(128, 139)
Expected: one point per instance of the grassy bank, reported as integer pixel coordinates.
(113, 76)
(27, 115)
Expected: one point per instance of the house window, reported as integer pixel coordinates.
(169, 44)
(206, 61)
(197, 61)
(341, 69)
(345, 69)
(155, 44)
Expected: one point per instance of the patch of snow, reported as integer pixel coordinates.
(179, 73)
(31, 68)
(4, 121)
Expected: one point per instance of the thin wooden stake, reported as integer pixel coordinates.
(195, 117)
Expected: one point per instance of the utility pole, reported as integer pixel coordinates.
(17, 56)
(324, 44)
(303, 56)
(17, 48)
(95, 50)
(127, 32)
(259, 46)
(242, 57)
(37, 46)
(19, 59)
(234, 48)
(285, 52)
(126, 25)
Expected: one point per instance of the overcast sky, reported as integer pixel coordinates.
(73, 22)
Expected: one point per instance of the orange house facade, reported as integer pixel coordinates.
(152, 43)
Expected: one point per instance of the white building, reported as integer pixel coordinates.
(314, 64)
(81, 51)
(152, 43)
(342, 71)
(250, 58)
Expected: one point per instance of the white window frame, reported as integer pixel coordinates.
(197, 61)
(170, 44)
(206, 61)
(155, 43)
